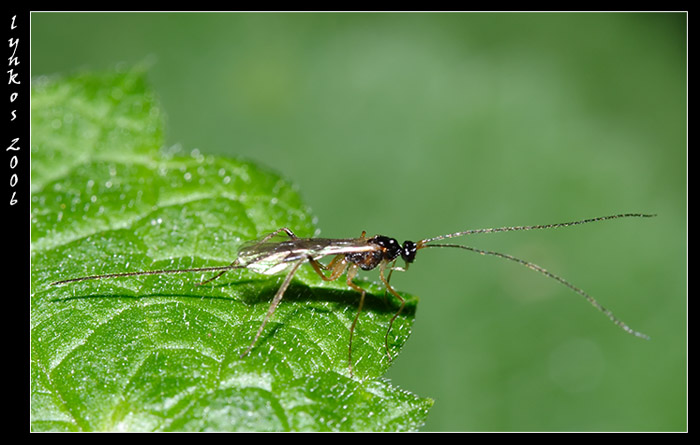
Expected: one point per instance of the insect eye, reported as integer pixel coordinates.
(408, 251)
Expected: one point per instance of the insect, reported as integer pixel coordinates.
(350, 255)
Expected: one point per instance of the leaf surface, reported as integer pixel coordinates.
(159, 353)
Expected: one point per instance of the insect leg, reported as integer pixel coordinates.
(337, 266)
(388, 279)
(214, 277)
(267, 237)
(352, 271)
(275, 301)
(147, 272)
(391, 290)
(276, 232)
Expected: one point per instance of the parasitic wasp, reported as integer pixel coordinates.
(269, 257)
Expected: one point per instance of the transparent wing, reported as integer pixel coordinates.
(271, 257)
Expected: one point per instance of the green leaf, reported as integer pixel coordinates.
(158, 352)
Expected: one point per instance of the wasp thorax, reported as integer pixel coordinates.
(391, 248)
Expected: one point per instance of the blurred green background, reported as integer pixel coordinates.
(413, 125)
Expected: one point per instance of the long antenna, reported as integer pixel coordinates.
(549, 274)
(423, 243)
(150, 272)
